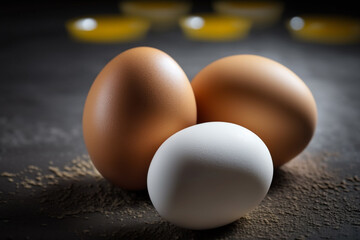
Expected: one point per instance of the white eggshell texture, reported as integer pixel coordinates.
(209, 175)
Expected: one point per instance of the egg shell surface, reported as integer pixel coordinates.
(261, 95)
(138, 100)
(209, 175)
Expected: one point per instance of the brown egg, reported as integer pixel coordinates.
(137, 101)
(261, 95)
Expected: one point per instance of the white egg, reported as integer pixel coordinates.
(209, 175)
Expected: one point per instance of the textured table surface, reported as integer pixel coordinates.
(48, 188)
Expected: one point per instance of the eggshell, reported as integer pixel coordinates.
(262, 96)
(209, 175)
(137, 101)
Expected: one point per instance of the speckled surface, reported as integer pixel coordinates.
(49, 189)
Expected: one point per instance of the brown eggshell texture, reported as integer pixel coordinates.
(261, 95)
(137, 101)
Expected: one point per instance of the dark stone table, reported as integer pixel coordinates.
(49, 189)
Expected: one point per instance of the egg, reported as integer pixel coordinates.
(261, 95)
(209, 175)
(138, 100)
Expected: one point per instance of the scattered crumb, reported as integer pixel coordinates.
(7, 174)
(304, 197)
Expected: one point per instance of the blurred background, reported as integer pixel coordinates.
(68, 8)
(51, 51)
(52, 15)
